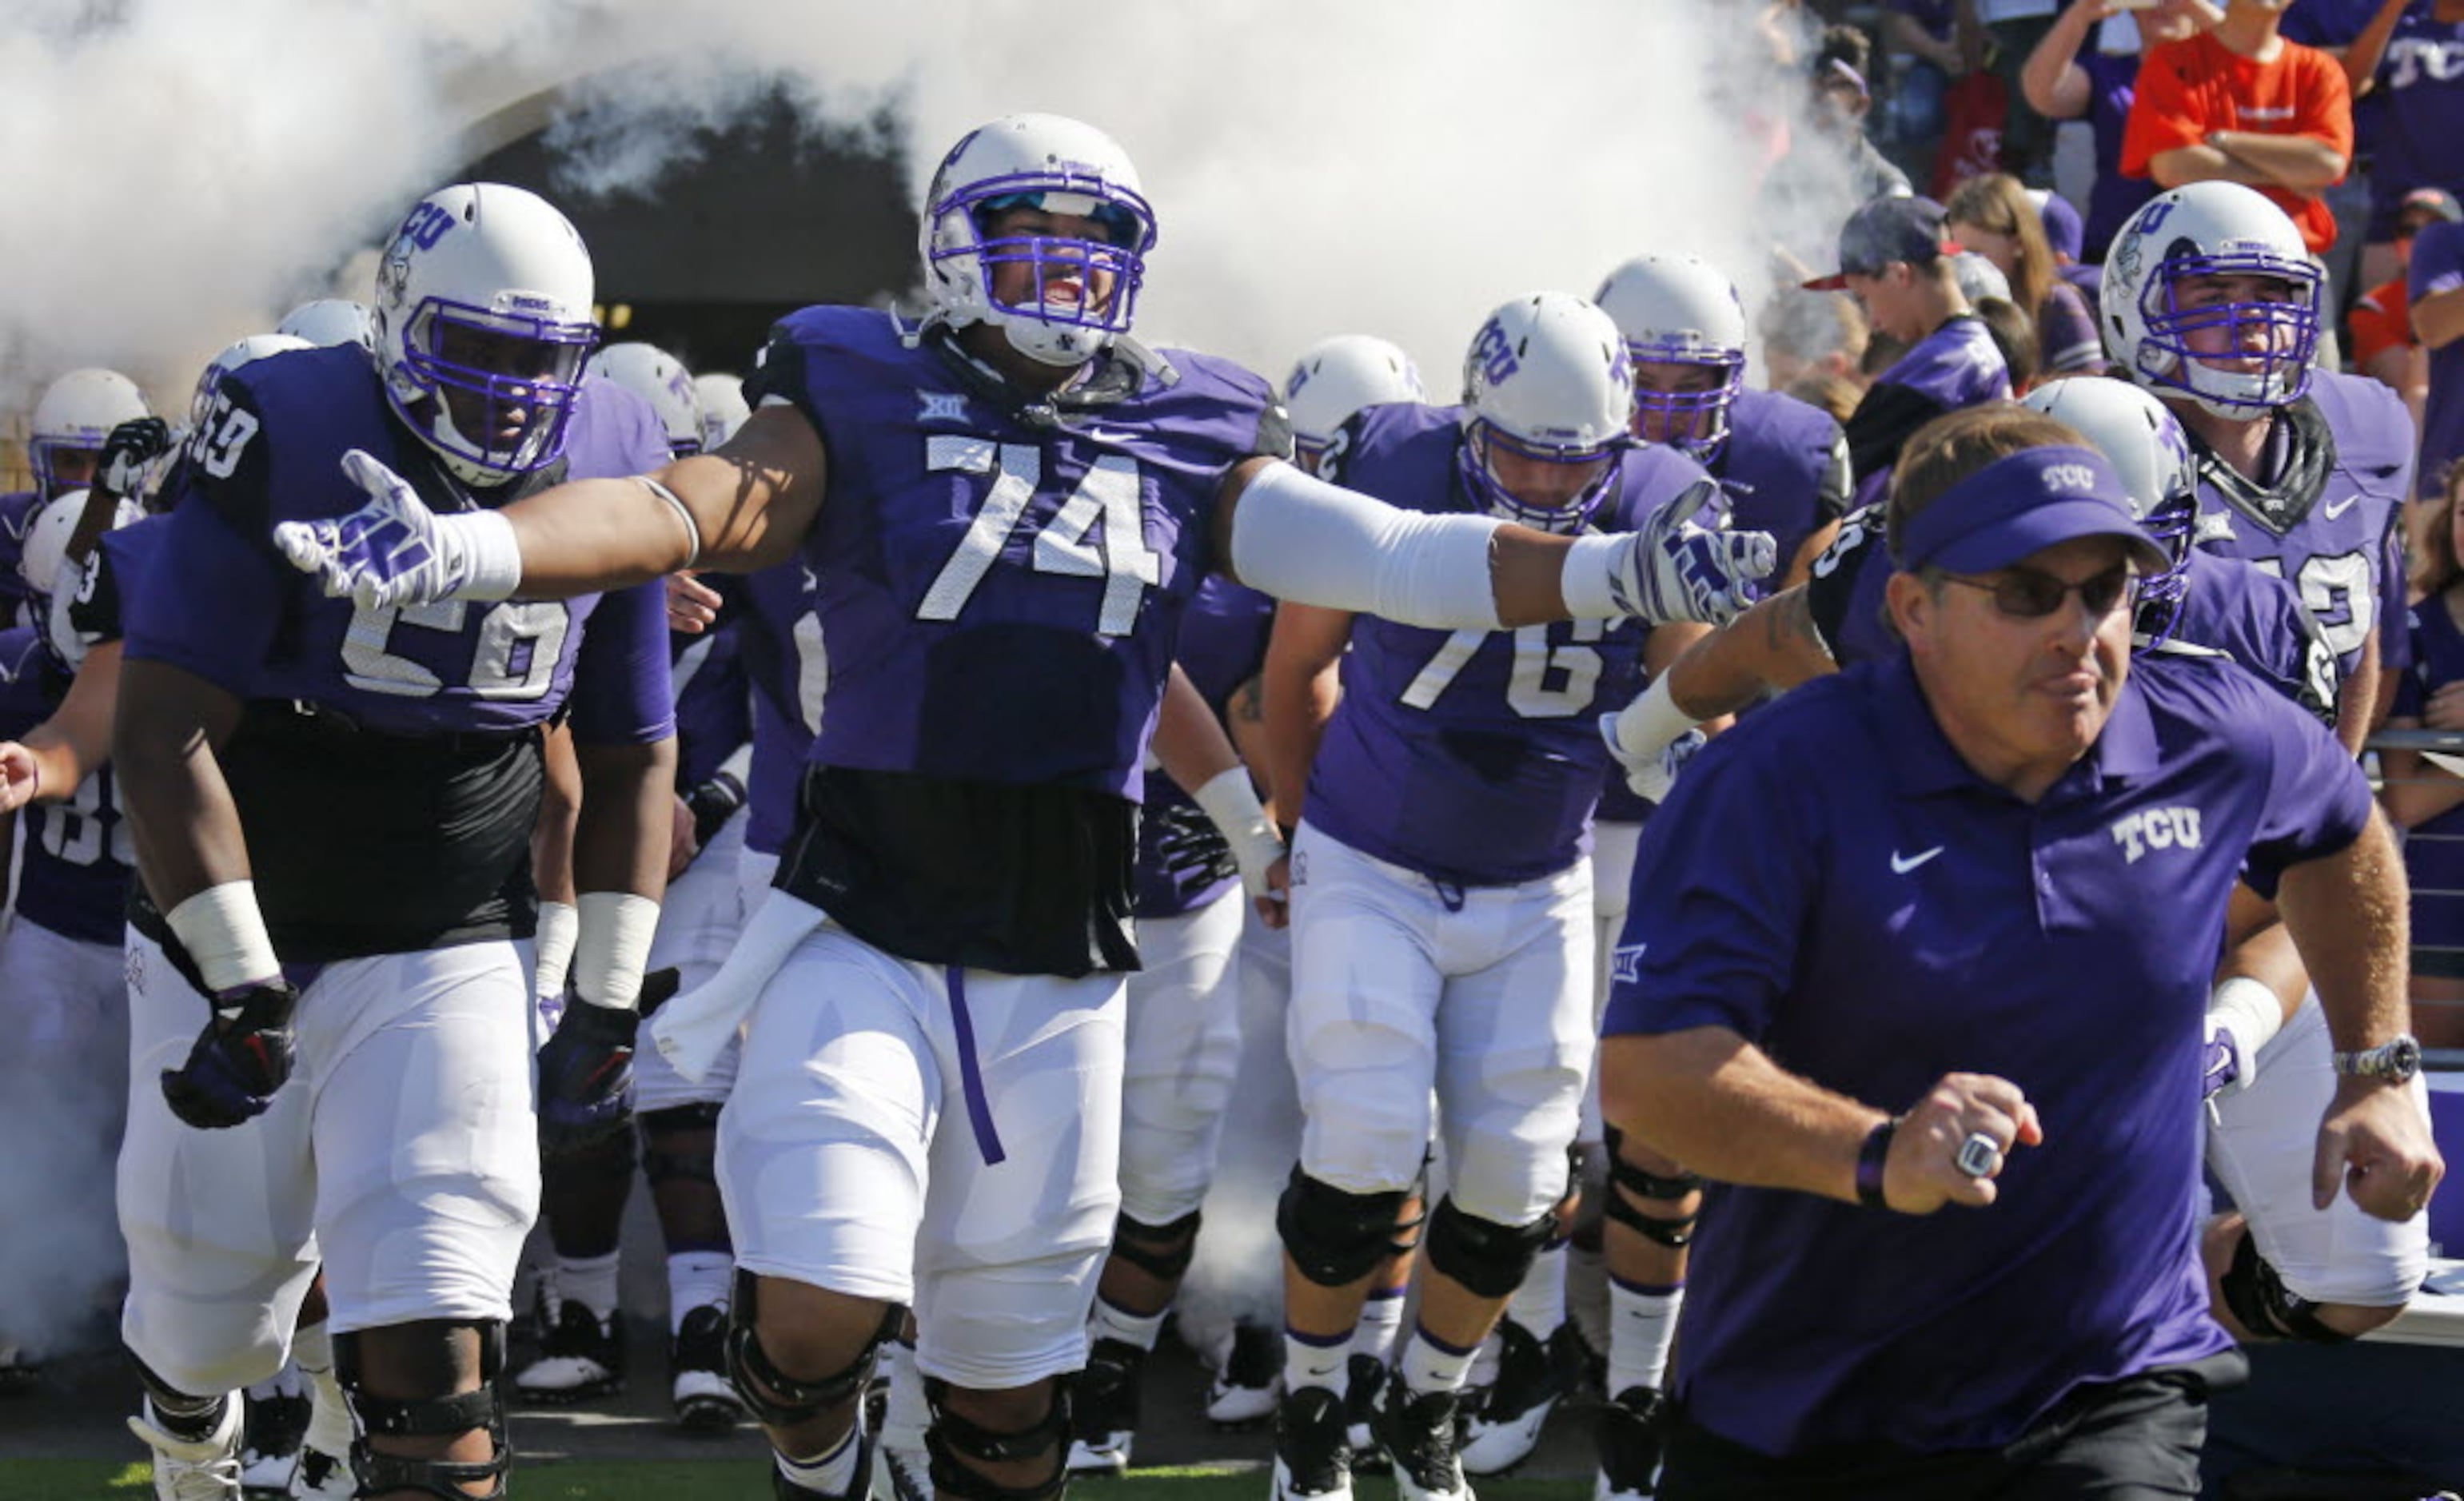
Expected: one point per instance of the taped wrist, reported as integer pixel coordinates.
(492, 555)
(1649, 725)
(2248, 1011)
(1593, 566)
(558, 925)
(612, 947)
(1300, 539)
(1231, 801)
(224, 933)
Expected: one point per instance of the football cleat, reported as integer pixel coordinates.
(1364, 1392)
(1104, 1410)
(1421, 1433)
(580, 1357)
(1632, 1431)
(705, 1400)
(1311, 1460)
(1532, 1376)
(193, 1469)
(274, 1421)
(1243, 1391)
(901, 1472)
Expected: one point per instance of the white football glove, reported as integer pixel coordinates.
(394, 551)
(1679, 570)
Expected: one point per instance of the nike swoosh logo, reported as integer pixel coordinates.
(2336, 508)
(1900, 864)
(1107, 435)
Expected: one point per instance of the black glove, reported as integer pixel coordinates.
(130, 451)
(712, 804)
(585, 1072)
(244, 1055)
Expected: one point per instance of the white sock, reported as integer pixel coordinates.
(1309, 1363)
(1539, 1304)
(905, 1417)
(329, 1412)
(590, 1281)
(1642, 1324)
(1380, 1326)
(1118, 1324)
(1431, 1365)
(697, 1279)
(833, 1474)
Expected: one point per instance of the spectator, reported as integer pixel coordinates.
(1924, 43)
(1812, 337)
(2241, 104)
(2383, 344)
(1832, 167)
(2427, 797)
(2066, 79)
(1832, 393)
(2014, 335)
(2434, 284)
(1893, 258)
(2016, 27)
(1991, 216)
(1953, 1096)
(2406, 68)
(2065, 233)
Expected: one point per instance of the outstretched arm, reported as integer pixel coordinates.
(66, 748)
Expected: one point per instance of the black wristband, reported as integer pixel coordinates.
(1870, 1159)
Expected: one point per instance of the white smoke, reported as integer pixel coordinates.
(183, 173)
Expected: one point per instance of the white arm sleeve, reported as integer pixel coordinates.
(1300, 539)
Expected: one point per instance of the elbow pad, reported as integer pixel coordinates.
(1300, 539)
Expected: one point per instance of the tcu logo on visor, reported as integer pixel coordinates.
(1494, 355)
(2076, 478)
(2156, 829)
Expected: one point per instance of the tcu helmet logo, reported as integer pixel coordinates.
(1493, 355)
(2156, 829)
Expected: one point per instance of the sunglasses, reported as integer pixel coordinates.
(2024, 594)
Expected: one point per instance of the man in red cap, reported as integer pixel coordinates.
(1895, 261)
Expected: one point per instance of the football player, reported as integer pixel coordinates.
(328, 322)
(332, 807)
(1442, 901)
(1007, 506)
(71, 421)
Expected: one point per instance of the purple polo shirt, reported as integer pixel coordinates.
(1894, 918)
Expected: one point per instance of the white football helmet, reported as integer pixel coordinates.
(722, 409)
(661, 380)
(1681, 310)
(2209, 230)
(1061, 166)
(2144, 441)
(47, 546)
(1546, 379)
(1335, 377)
(483, 304)
(75, 414)
(241, 352)
(329, 322)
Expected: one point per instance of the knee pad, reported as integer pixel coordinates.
(2266, 1306)
(952, 1440)
(773, 1396)
(1487, 1258)
(1336, 1237)
(659, 1165)
(1675, 1231)
(379, 1473)
(1160, 1251)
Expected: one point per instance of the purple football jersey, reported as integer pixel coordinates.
(1002, 605)
(79, 856)
(2243, 612)
(713, 708)
(1473, 756)
(17, 510)
(780, 644)
(1844, 592)
(2323, 522)
(1957, 365)
(2434, 851)
(1184, 861)
(233, 613)
(1785, 468)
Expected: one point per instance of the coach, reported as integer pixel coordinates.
(1938, 931)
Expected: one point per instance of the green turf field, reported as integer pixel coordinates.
(82, 1480)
